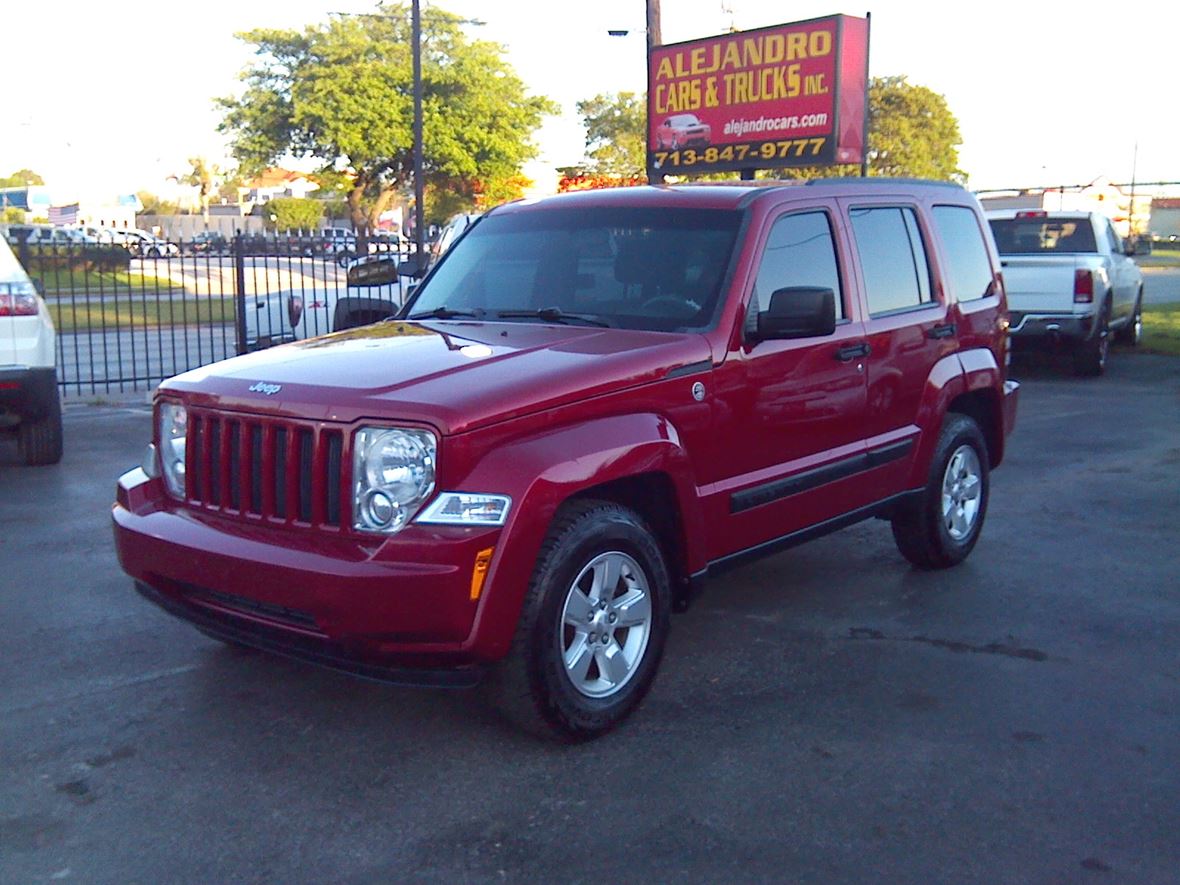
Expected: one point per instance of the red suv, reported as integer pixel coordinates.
(591, 404)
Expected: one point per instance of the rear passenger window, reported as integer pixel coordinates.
(969, 270)
(892, 258)
(799, 252)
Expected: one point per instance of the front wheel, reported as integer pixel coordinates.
(941, 527)
(592, 627)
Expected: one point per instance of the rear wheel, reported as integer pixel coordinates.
(1132, 333)
(40, 439)
(592, 627)
(1089, 357)
(940, 528)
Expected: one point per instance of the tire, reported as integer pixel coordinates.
(40, 440)
(1132, 333)
(568, 614)
(1089, 356)
(940, 529)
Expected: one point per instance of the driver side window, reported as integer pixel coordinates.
(799, 252)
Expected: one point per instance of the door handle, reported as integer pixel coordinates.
(946, 330)
(852, 351)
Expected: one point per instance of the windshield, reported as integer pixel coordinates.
(1023, 236)
(651, 269)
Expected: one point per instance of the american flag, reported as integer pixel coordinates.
(63, 214)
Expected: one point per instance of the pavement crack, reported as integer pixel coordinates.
(992, 648)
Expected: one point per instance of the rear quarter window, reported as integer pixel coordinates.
(969, 270)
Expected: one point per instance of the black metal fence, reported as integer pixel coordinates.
(130, 314)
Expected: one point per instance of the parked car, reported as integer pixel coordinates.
(30, 405)
(209, 242)
(681, 131)
(143, 244)
(451, 231)
(592, 403)
(373, 291)
(45, 235)
(1070, 281)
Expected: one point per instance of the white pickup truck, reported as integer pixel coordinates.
(1070, 280)
(373, 291)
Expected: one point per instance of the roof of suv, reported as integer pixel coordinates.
(725, 195)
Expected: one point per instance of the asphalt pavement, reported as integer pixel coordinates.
(827, 715)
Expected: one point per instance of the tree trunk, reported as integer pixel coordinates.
(356, 212)
(380, 205)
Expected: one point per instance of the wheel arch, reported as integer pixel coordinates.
(635, 460)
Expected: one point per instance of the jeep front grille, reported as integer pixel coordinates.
(273, 469)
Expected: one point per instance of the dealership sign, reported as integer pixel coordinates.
(789, 95)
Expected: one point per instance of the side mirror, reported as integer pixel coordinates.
(410, 268)
(1129, 247)
(798, 312)
(382, 272)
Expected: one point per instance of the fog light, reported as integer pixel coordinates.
(381, 509)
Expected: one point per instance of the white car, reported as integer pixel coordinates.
(1070, 280)
(373, 292)
(29, 401)
(143, 244)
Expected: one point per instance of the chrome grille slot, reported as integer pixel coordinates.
(276, 469)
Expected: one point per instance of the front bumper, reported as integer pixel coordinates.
(396, 609)
(27, 391)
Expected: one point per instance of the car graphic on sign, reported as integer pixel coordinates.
(682, 130)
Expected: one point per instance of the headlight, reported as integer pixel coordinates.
(466, 508)
(173, 425)
(393, 473)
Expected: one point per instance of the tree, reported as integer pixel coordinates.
(341, 93)
(153, 205)
(20, 178)
(616, 134)
(912, 133)
(205, 177)
(291, 213)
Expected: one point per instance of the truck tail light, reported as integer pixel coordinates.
(294, 309)
(1032, 213)
(17, 304)
(1083, 286)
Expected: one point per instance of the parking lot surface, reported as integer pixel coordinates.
(826, 715)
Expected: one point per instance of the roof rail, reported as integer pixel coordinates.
(882, 179)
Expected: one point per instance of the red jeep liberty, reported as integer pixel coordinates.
(589, 405)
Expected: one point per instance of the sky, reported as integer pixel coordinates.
(1045, 93)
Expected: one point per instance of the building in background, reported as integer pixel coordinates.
(1099, 196)
(274, 183)
(1165, 219)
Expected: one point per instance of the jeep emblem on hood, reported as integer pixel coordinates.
(263, 387)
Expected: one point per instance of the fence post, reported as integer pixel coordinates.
(240, 292)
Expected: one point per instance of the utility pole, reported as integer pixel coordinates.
(1131, 211)
(653, 25)
(419, 188)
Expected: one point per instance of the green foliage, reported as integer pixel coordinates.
(20, 178)
(204, 176)
(616, 133)
(341, 92)
(292, 213)
(153, 205)
(12, 215)
(912, 134)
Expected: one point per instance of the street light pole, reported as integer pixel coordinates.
(419, 188)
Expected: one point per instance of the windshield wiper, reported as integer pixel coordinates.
(553, 315)
(442, 312)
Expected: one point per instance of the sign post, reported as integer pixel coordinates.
(788, 95)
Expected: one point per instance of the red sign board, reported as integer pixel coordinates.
(788, 95)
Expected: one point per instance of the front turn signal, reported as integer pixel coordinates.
(479, 574)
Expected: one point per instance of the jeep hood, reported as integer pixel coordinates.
(456, 376)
